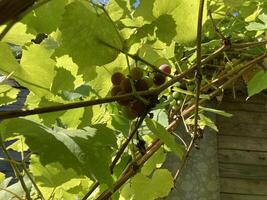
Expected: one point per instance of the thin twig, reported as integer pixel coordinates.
(92, 189)
(198, 68)
(184, 161)
(14, 194)
(125, 144)
(33, 182)
(16, 170)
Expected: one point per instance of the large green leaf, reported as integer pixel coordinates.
(184, 13)
(8, 94)
(87, 151)
(36, 71)
(165, 136)
(84, 29)
(257, 83)
(177, 18)
(158, 186)
(46, 18)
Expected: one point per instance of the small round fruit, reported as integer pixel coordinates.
(137, 107)
(126, 111)
(136, 73)
(149, 81)
(115, 90)
(176, 107)
(170, 98)
(141, 85)
(124, 102)
(176, 95)
(126, 85)
(173, 102)
(165, 68)
(116, 78)
(159, 79)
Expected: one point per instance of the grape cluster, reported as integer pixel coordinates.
(141, 81)
(175, 100)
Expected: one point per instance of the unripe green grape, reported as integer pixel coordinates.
(159, 79)
(176, 107)
(170, 98)
(116, 78)
(126, 85)
(136, 73)
(165, 68)
(179, 102)
(177, 84)
(173, 102)
(176, 95)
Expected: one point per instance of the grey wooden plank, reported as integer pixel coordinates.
(242, 129)
(254, 172)
(242, 143)
(242, 157)
(229, 196)
(245, 117)
(243, 186)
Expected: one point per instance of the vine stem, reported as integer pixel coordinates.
(224, 47)
(198, 68)
(33, 182)
(21, 113)
(20, 16)
(16, 170)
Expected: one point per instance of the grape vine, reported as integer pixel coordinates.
(110, 81)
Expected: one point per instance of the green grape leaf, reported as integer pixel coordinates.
(162, 176)
(165, 136)
(206, 121)
(256, 26)
(153, 162)
(185, 15)
(74, 149)
(46, 18)
(19, 145)
(257, 83)
(17, 34)
(119, 9)
(51, 174)
(35, 62)
(72, 118)
(144, 187)
(218, 112)
(8, 94)
(145, 10)
(95, 29)
(2, 177)
(63, 80)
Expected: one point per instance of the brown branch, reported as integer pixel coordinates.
(18, 16)
(198, 68)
